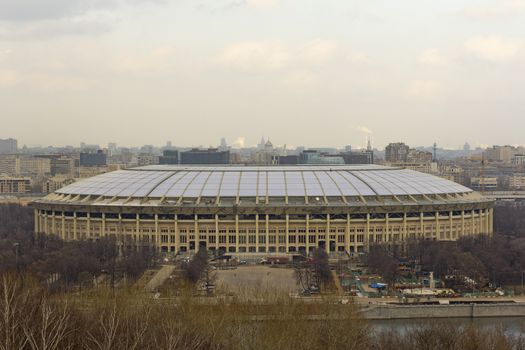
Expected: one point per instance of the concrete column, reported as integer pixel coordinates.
(328, 233)
(405, 228)
(38, 221)
(53, 227)
(267, 225)
(177, 234)
(156, 231)
(103, 233)
(236, 233)
(63, 235)
(451, 233)
(438, 233)
(367, 232)
(487, 221)
(137, 229)
(480, 221)
(36, 218)
(387, 236)
(197, 234)
(308, 233)
(75, 234)
(287, 234)
(472, 222)
(119, 233)
(462, 222)
(347, 234)
(422, 224)
(45, 224)
(216, 232)
(257, 233)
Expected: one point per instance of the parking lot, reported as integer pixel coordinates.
(257, 277)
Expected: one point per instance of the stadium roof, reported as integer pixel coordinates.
(192, 182)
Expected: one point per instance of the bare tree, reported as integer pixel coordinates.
(52, 328)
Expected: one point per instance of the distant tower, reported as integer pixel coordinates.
(223, 146)
(435, 152)
(369, 145)
(261, 143)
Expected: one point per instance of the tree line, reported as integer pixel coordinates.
(48, 258)
(497, 259)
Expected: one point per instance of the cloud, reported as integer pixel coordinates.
(8, 78)
(33, 10)
(262, 3)
(500, 9)
(300, 79)
(365, 130)
(494, 48)
(424, 88)
(28, 10)
(319, 51)
(161, 60)
(432, 57)
(359, 58)
(256, 55)
(239, 142)
(218, 6)
(45, 81)
(276, 55)
(54, 28)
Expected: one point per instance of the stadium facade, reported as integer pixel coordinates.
(273, 209)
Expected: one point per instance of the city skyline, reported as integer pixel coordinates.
(155, 70)
(243, 144)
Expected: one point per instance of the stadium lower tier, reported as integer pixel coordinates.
(263, 233)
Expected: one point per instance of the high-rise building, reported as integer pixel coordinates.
(8, 146)
(93, 159)
(112, 148)
(34, 166)
(15, 185)
(317, 157)
(417, 156)
(206, 156)
(500, 153)
(147, 159)
(223, 146)
(9, 164)
(359, 157)
(24, 165)
(169, 157)
(396, 152)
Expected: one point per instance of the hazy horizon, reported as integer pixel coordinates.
(304, 72)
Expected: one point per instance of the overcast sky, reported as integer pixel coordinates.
(303, 72)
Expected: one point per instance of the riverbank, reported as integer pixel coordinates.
(465, 309)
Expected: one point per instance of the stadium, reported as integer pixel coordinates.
(264, 209)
